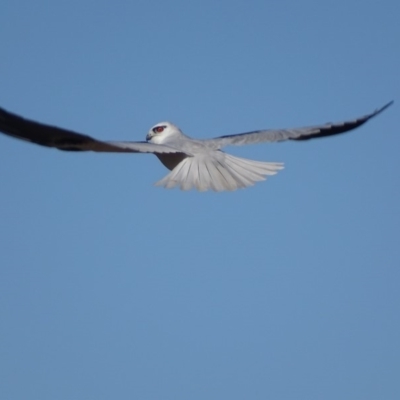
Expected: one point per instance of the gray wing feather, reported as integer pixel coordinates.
(63, 139)
(272, 135)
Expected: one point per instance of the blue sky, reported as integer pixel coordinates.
(113, 288)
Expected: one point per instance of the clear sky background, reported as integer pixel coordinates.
(111, 288)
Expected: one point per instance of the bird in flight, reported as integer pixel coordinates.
(194, 163)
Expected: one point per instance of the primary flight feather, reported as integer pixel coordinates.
(193, 163)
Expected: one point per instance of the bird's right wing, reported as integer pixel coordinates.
(278, 135)
(63, 139)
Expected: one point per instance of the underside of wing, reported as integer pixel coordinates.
(63, 139)
(306, 133)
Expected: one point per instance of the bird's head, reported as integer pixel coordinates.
(161, 132)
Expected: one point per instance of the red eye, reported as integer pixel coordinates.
(158, 129)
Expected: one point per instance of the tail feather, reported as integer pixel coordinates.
(242, 177)
(264, 168)
(176, 175)
(217, 180)
(218, 171)
(244, 170)
(228, 177)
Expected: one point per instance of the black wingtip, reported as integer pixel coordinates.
(379, 110)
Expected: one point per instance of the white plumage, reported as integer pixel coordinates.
(194, 164)
(217, 171)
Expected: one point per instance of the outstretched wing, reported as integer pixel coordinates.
(272, 135)
(63, 139)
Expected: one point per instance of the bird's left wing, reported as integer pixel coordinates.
(277, 135)
(63, 139)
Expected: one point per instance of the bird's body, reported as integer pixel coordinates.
(194, 163)
(202, 165)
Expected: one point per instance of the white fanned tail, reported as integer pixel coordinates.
(218, 171)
